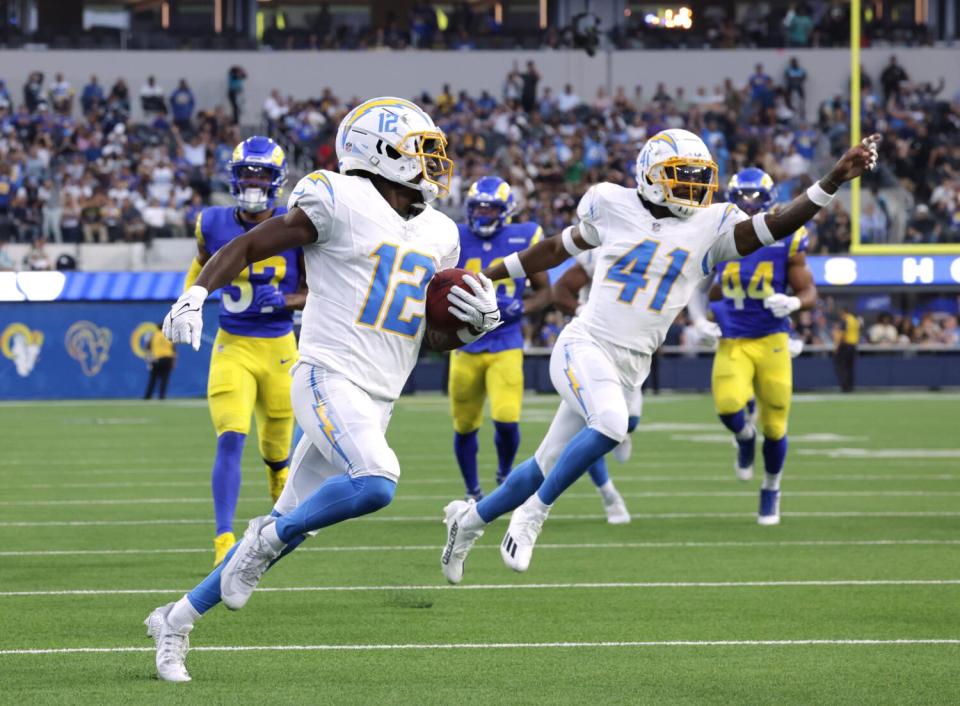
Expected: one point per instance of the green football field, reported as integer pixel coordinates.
(854, 598)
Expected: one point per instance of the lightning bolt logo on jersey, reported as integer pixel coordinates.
(240, 312)
(746, 283)
(478, 253)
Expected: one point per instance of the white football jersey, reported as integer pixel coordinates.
(646, 269)
(367, 275)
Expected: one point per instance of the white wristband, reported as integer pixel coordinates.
(465, 335)
(197, 293)
(514, 266)
(568, 244)
(762, 230)
(820, 197)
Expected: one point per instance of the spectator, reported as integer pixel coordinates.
(883, 332)
(891, 78)
(33, 91)
(6, 102)
(274, 108)
(182, 105)
(61, 95)
(528, 94)
(37, 259)
(799, 25)
(873, 224)
(568, 100)
(923, 227)
(91, 99)
(950, 334)
(161, 359)
(236, 77)
(70, 219)
(795, 79)
(134, 229)
(91, 218)
(151, 99)
(6, 262)
(154, 216)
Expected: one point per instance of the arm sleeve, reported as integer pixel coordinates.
(314, 195)
(590, 213)
(194, 270)
(724, 246)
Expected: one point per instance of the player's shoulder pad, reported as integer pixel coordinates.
(316, 185)
(726, 215)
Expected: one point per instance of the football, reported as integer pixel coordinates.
(438, 314)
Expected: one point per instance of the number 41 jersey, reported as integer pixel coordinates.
(367, 274)
(646, 268)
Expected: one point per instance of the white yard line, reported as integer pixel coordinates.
(437, 518)
(500, 646)
(587, 545)
(815, 583)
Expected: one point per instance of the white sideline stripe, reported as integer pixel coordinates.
(401, 496)
(438, 519)
(512, 586)
(495, 646)
(588, 545)
(454, 483)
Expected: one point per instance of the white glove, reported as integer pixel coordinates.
(795, 346)
(479, 309)
(708, 330)
(184, 322)
(780, 305)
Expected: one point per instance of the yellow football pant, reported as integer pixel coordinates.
(473, 376)
(743, 367)
(252, 376)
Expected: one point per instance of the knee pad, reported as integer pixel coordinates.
(611, 423)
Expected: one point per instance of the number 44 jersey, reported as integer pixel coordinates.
(646, 268)
(367, 274)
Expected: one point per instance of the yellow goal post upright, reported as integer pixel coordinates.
(856, 246)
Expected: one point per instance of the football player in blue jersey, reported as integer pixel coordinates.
(493, 365)
(752, 307)
(255, 347)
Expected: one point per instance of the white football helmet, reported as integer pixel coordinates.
(675, 169)
(394, 138)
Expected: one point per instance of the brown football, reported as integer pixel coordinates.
(438, 315)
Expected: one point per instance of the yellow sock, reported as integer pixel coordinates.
(221, 545)
(276, 480)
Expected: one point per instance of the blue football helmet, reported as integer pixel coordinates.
(258, 171)
(490, 205)
(751, 190)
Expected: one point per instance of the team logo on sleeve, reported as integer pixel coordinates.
(89, 345)
(22, 346)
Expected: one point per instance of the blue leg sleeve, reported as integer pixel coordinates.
(506, 437)
(520, 484)
(337, 499)
(584, 449)
(465, 449)
(225, 479)
(632, 423)
(598, 472)
(774, 454)
(734, 422)
(752, 405)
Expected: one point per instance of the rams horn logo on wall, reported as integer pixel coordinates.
(140, 339)
(22, 346)
(89, 345)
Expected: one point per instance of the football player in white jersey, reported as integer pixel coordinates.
(371, 243)
(654, 246)
(570, 294)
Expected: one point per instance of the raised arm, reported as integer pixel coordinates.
(765, 228)
(542, 256)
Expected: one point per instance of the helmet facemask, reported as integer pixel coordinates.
(436, 169)
(255, 186)
(687, 183)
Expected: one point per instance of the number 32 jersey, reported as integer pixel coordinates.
(239, 312)
(367, 274)
(646, 268)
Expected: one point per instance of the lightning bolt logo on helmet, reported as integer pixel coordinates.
(396, 139)
(675, 170)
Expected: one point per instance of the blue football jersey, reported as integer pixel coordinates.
(477, 253)
(217, 226)
(747, 282)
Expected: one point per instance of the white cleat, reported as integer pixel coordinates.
(623, 450)
(516, 549)
(616, 509)
(459, 539)
(243, 571)
(172, 646)
(743, 474)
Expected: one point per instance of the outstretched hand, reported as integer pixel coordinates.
(857, 160)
